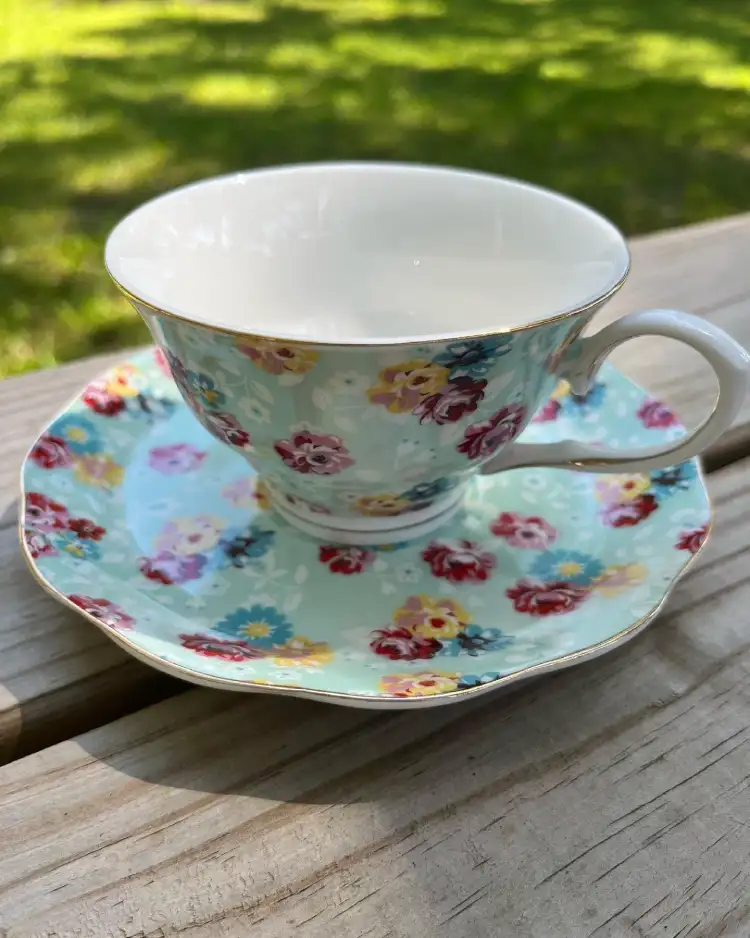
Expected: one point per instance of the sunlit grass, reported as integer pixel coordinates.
(639, 107)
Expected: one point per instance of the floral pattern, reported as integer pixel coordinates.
(627, 500)
(403, 387)
(459, 561)
(175, 458)
(474, 357)
(654, 414)
(278, 358)
(545, 599)
(128, 491)
(346, 560)
(316, 453)
(108, 613)
(692, 541)
(482, 439)
(528, 532)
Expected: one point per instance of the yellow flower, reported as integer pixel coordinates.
(118, 381)
(276, 357)
(562, 390)
(301, 652)
(256, 629)
(262, 495)
(619, 578)
(431, 617)
(403, 386)
(616, 489)
(99, 470)
(419, 684)
(381, 505)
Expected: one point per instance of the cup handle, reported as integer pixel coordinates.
(729, 360)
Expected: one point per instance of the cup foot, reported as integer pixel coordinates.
(372, 531)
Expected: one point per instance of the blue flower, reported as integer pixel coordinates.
(68, 542)
(205, 387)
(476, 680)
(475, 640)
(665, 482)
(239, 548)
(79, 433)
(570, 566)
(155, 408)
(582, 404)
(474, 357)
(264, 626)
(426, 491)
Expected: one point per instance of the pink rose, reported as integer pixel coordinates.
(460, 397)
(460, 561)
(400, 644)
(629, 513)
(51, 452)
(546, 599)
(44, 514)
(176, 458)
(692, 541)
(317, 453)
(108, 613)
(526, 532)
(548, 413)
(482, 439)
(346, 560)
(654, 414)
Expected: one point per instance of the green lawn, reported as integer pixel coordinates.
(640, 107)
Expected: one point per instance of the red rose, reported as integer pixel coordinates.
(346, 560)
(44, 514)
(548, 413)
(460, 397)
(692, 540)
(546, 599)
(654, 414)
(400, 644)
(101, 401)
(522, 531)
(50, 452)
(227, 650)
(108, 613)
(38, 545)
(629, 513)
(226, 428)
(459, 561)
(482, 439)
(86, 530)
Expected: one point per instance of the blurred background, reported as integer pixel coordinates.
(639, 107)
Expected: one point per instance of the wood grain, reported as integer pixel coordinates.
(59, 677)
(611, 800)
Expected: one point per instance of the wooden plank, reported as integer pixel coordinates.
(46, 696)
(610, 800)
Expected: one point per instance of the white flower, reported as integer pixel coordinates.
(408, 573)
(348, 382)
(254, 410)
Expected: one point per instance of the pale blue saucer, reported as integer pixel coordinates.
(137, 518)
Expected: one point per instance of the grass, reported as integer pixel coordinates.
(639, 107)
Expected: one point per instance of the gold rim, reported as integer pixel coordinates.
(239, 684)
(401, 343)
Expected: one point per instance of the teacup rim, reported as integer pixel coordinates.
(585, 305)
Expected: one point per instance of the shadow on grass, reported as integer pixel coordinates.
(637, 108)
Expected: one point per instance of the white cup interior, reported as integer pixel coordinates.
(365, 253)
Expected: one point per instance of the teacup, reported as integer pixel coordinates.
(368, 336)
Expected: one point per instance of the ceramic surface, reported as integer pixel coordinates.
(135, 516)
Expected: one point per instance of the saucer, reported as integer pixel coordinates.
(138, 519)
